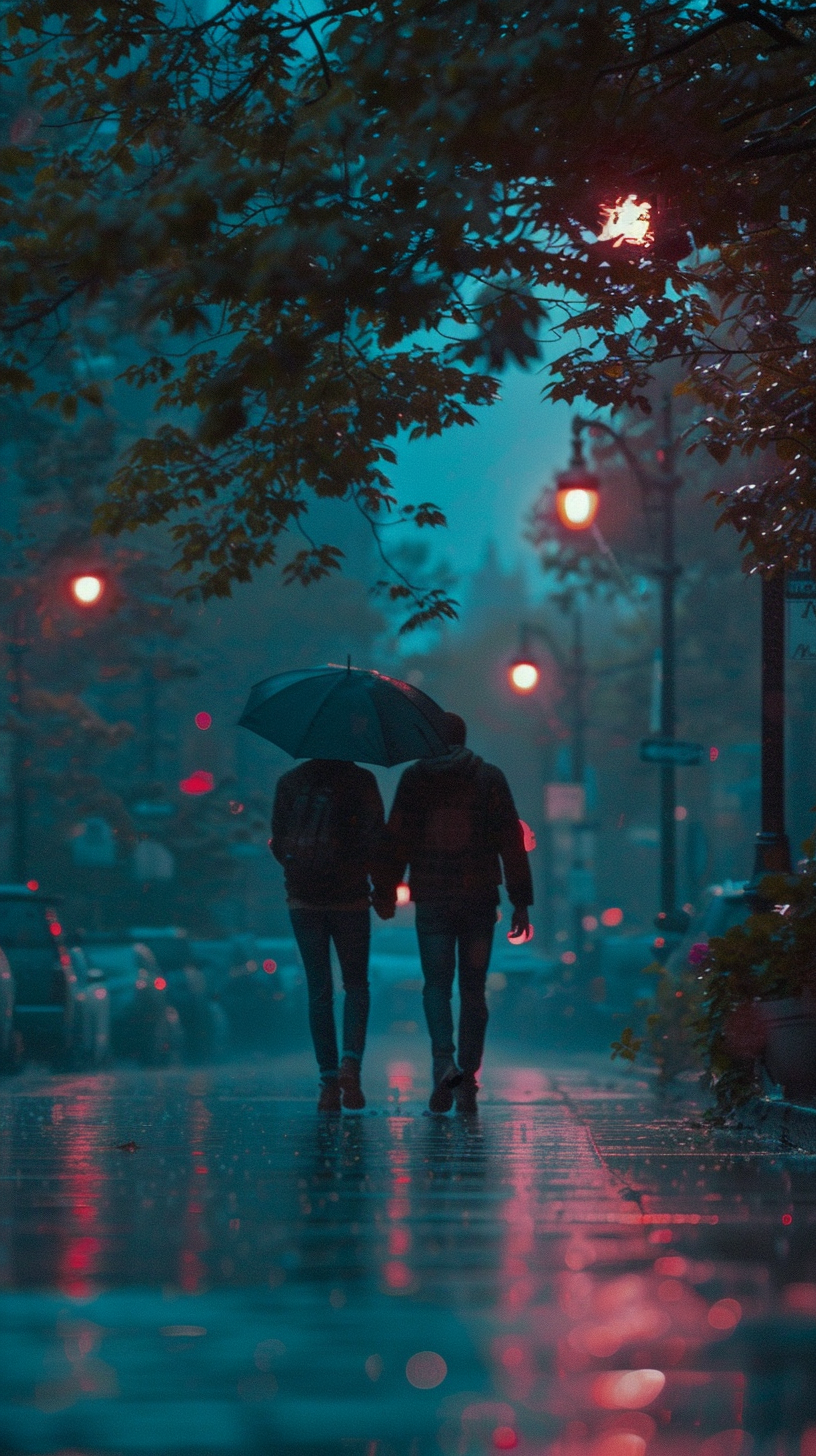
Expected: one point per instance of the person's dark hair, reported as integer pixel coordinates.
(455, 730)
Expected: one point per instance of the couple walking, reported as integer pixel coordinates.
(452, 827)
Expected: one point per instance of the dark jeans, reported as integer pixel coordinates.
(443, 927)
(351, 932)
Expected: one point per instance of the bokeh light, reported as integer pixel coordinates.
(87, 589)
(426, 1370)
(524, 676)
(627, 220)
(403, 894)
(203, 721)
(612, 917)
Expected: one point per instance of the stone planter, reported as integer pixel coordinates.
(789, 1051)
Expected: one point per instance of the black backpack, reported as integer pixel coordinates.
(312, 841)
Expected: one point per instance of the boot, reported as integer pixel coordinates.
(446, 1076)
(329, 1100)
(351, 1091)
(466, 1094)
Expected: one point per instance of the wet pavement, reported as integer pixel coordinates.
(193, 1261)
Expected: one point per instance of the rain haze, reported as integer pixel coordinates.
(407, 747)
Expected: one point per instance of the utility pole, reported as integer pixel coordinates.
(18, 857)
(772, 852)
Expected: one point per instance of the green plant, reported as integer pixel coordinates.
(770, 957)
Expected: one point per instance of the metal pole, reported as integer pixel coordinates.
(669, 572)
(772, 846)
(151, 724)
(578, 676)
(19, 786)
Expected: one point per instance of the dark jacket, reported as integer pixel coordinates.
(361, 820)
(452, 821)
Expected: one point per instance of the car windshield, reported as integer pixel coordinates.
(23, 925)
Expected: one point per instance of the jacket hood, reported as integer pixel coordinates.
(459, 760)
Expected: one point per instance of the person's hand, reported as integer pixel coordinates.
(384, 905)
(520, 924)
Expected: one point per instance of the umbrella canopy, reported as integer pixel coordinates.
(347, 713)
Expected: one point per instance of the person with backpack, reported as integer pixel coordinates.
(453, 826)
(327, 826)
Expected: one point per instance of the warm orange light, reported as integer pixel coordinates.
(577, 506)
(627, 220)
(87, 589)
(524, 676)
(160, 983)
(403, 894)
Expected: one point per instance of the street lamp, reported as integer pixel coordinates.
(524, 675)
(87, 588)
(577, 490)
(659, 490)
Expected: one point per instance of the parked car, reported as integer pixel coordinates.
(143, 1023)
(57, 1011)
(259, 984)
(11, 1043)
(203, 1021)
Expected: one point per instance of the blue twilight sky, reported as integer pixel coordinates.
(486, 477)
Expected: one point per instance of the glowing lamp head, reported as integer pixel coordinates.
(627, 220)
(87, 589)
(576, 500)
(524, 676)
(403, 894)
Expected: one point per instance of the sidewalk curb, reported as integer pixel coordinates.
(787, 1122)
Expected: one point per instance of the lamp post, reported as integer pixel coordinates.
(659, 491)
(772, 850)
(85, 590)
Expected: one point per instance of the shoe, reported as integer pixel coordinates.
(446, 1078)
(350, 1089)
(466, 1095)
(329, 1100)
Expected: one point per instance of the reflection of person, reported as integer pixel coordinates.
(454, 825)
(327, 823)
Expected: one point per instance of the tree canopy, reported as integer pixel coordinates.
(333, 228)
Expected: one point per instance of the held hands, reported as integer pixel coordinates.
(520, 924)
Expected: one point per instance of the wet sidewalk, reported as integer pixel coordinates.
(195, 1262)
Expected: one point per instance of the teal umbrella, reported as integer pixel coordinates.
(348, 713)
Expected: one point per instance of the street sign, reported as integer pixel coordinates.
(564, 803)
(670, 750)
(801, 625)
(800, 586)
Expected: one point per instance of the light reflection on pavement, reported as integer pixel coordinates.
(575, 1272)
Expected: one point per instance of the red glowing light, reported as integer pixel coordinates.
(787, 1218)
(203, 721)
(529, 837)
(589, 923)
(725, 1314)
(160, 983)
(199, 782)
(505, 1438)
(523, 676)
(32, 884)
(403, 894)
(568, 958)
(55, 927)
(713, 755)
(398, 1276)
(270, 967)
(627, 1389)
(87, 589)
(612, 916)
(523, 938)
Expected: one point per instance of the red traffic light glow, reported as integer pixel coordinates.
(87, 589)
(199, 782)
(203, 721)
(524, 676)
